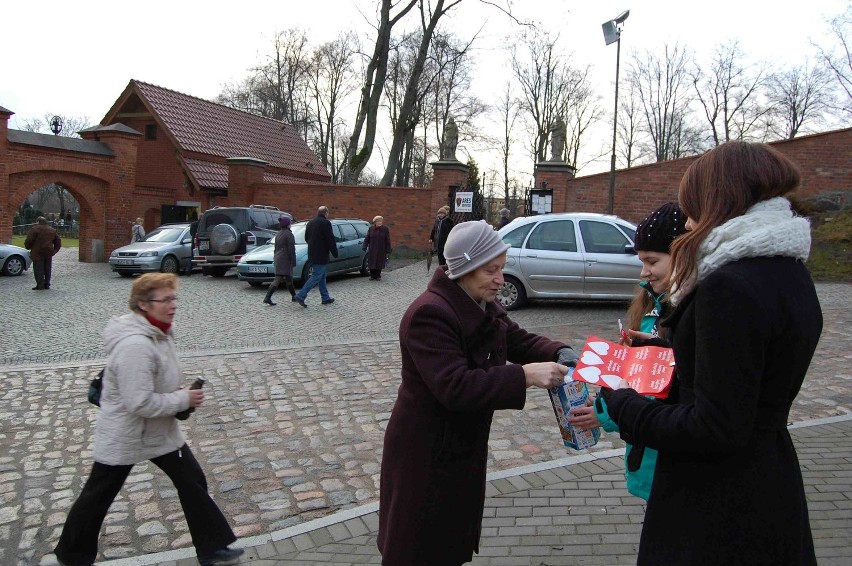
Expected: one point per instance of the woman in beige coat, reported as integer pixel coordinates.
(142, 392)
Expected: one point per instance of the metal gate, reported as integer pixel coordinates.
(477, 207)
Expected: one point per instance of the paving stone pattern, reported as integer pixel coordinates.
(297, 403)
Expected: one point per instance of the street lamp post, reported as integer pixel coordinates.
(612, 34)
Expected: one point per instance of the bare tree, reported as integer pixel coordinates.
(332, 78)
(728, 92)
(629, 129)
(838, 58)
(800, 96)
(549, 86)
(358, 153)
(509, 109)
(582, 111)
(662, 87)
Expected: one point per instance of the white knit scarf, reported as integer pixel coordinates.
(767, 229)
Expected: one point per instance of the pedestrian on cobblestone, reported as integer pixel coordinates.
(142, 393)
(321, 243)
(455, 340)
(378, 247)
(284, 261)
(440, 232)
(746, 321)
(43, 243)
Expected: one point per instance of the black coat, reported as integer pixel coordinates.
(320, 238)
(440, 232)
(378, 246)
(454, 375)
(728, 488)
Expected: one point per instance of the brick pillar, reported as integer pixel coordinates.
(557, 174)
(243, 174)
(109, 228)
(447, 177)
(7, 210)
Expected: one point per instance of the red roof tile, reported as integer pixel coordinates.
(208, 174)
(206, 127)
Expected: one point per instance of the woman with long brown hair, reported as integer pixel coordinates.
(727, 487)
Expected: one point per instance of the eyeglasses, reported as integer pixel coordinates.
(163, 300)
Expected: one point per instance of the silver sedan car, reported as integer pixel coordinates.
(573, 255)
(13, 260)
(167, 248)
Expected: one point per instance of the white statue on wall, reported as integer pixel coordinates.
(558, 133)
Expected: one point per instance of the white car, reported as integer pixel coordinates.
(14, 260)
(574, 255)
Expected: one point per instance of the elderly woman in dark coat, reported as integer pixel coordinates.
(378, 246)
(728, 488)
(455, 341)
(284, 261)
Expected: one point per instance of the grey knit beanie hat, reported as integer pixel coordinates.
(471, 245)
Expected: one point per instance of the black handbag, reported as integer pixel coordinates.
(95, 387)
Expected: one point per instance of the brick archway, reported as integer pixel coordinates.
(98, 170)
(89, 191)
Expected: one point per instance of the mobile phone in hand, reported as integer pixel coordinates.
(197, 384)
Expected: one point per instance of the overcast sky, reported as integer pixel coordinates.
(75, 58)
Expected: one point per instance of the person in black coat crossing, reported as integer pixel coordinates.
(319, 235)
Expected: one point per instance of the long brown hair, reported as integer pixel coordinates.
(723, 184)
(641, 305)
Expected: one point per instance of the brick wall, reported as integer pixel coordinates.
(825, 160)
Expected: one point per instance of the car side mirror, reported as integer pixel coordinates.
(629, 249)
(186, 241)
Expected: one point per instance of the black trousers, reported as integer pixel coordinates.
(41, 271)
(208, 528)
(287, 280)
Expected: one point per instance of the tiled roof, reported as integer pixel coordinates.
(59, 142)
(206, 127)
(208, 174)
(277, 178)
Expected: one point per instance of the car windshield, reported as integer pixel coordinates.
(164, 234)
(299, 233)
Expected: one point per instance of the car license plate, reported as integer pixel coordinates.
(257, 269)
(125, 262)
(203, 245)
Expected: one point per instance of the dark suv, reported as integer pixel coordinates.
(225, 234)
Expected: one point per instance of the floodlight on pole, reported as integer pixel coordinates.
(612, 34)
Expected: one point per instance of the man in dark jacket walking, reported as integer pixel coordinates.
(440, 232)
(320, 238)
(43, 243)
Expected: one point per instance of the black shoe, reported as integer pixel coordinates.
(328, 302)
(222, 557)
(47, 287)
(269, 302)
(37, 288)
(300, 301)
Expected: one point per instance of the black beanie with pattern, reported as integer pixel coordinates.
(659, 229)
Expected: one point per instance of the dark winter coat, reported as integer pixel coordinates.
(378, 246)
(42, 241)
(503, 221)
(728, 488)
(285, 252)
(454, 376)
(320, 238)
(440, 232)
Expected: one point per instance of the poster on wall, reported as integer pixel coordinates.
(464, 202)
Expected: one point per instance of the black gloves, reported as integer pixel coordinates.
(567, 357)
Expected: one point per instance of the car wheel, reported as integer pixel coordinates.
(170, 264)
(14, 265)
(256, 283)
(224, 240)
(512, 294)
(218, 271)
(125, 274)
(364, 269)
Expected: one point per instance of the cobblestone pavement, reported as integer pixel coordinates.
(293, 424)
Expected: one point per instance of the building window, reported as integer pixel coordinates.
(151, 132)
